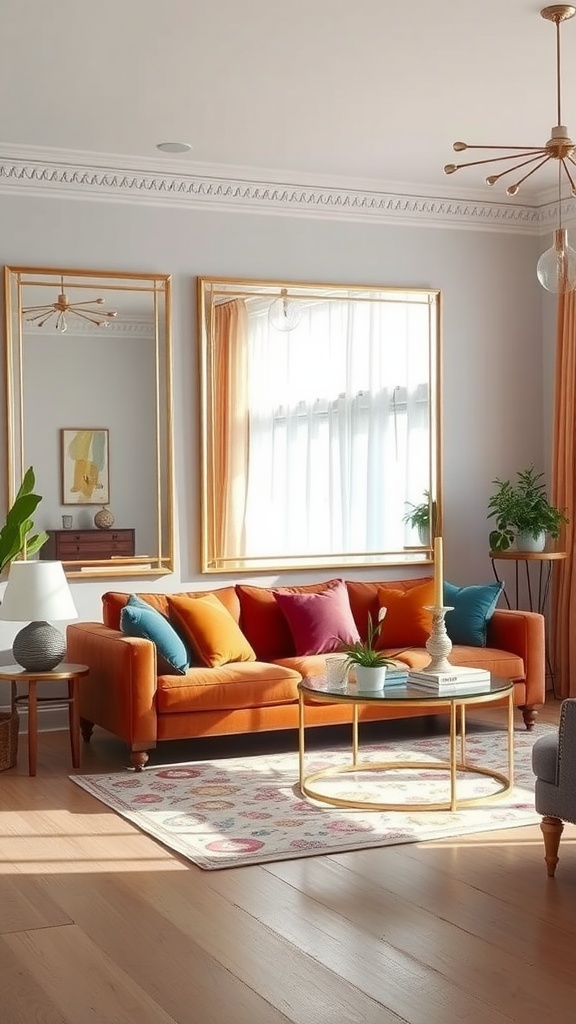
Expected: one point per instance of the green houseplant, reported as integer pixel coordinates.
(418, 516)
(16, 537)
(523, 513)
(370, 663)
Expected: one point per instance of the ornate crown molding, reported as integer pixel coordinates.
(59, 173)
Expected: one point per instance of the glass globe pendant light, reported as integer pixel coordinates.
(556, 269)
(284, 314)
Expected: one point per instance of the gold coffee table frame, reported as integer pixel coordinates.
(316, 691)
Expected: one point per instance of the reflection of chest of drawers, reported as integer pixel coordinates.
(88, 545)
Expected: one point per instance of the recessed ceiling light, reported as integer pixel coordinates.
(174, 147)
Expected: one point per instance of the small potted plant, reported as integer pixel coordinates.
(370, 664)
(523, 514)
(418, 516)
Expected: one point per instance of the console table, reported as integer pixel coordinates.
(88, 545)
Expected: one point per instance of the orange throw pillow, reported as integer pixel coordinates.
(406, 623)
(210, 629)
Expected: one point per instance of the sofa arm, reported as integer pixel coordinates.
(523, 633)
(119, 693)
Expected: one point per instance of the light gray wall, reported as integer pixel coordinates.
(493, 401)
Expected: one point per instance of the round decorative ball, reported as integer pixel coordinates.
(103, 519)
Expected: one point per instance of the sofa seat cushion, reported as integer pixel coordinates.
(242, 684)
(499, 663)
(305, 664)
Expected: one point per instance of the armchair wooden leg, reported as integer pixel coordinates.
(552, 829)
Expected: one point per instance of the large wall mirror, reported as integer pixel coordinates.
(320, 424)
(89, 408)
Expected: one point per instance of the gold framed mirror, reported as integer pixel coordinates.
(320, 425)
(89, 405)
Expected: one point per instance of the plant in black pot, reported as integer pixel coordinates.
(523, 515)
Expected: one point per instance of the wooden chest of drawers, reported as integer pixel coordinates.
(88, 545)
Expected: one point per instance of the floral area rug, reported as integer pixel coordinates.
(249, 810)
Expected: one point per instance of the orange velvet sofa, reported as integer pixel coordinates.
(124, 694)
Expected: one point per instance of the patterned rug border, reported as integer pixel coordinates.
(135, 796)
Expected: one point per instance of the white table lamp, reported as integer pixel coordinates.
(38, 590)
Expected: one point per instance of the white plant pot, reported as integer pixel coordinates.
(424, 536)
(370, 679)
(527, 542)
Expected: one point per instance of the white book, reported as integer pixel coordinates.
(446, 689)
(459, 674)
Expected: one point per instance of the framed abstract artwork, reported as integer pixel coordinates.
(85, 470)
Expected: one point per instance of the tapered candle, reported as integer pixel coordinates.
(438, 573)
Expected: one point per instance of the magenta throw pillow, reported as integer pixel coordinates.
(319, 623)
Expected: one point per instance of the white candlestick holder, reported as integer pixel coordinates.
(439, 643)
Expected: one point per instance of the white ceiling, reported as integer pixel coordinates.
(348, 91)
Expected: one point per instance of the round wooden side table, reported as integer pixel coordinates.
(72, 673)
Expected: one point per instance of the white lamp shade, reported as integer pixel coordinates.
(37, 590)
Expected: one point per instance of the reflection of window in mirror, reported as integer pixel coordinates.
(318, 426)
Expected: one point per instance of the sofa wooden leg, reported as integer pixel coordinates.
(138, 758)
(529, 715)
(552, 829)
(86, 728)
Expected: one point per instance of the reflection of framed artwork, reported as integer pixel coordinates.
(85, 474)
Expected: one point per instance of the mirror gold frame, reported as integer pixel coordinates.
(89, 407)
(247, 331)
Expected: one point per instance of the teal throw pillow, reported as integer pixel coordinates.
(472, 607)
(139, 619)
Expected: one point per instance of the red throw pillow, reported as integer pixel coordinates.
(406, 623)
(319, 623)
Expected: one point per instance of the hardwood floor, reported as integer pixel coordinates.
(99, 924)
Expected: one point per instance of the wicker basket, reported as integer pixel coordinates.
(9, 723)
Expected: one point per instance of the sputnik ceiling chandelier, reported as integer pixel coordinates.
(556, 268)
(62, 309)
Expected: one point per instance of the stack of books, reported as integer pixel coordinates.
(463, 677)
(396, 674)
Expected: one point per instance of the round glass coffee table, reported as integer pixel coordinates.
(316, 689)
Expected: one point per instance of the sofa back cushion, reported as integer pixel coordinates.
(363, 595)
(262, 621)
(113, 602)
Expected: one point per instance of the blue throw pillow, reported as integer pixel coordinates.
(139, 619)
(473, 606)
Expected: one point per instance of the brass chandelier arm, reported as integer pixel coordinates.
(493, 178)
(451, 168)
(512, 189)
(568, 175)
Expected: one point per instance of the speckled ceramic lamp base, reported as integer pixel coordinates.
(39, 647)
(439, 644)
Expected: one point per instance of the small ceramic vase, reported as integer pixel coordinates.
(104, 519)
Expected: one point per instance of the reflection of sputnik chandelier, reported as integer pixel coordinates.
(63, 308)
(557, 266)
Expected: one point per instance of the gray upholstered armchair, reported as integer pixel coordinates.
(554, 765)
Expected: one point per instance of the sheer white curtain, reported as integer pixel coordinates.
(330, 404)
